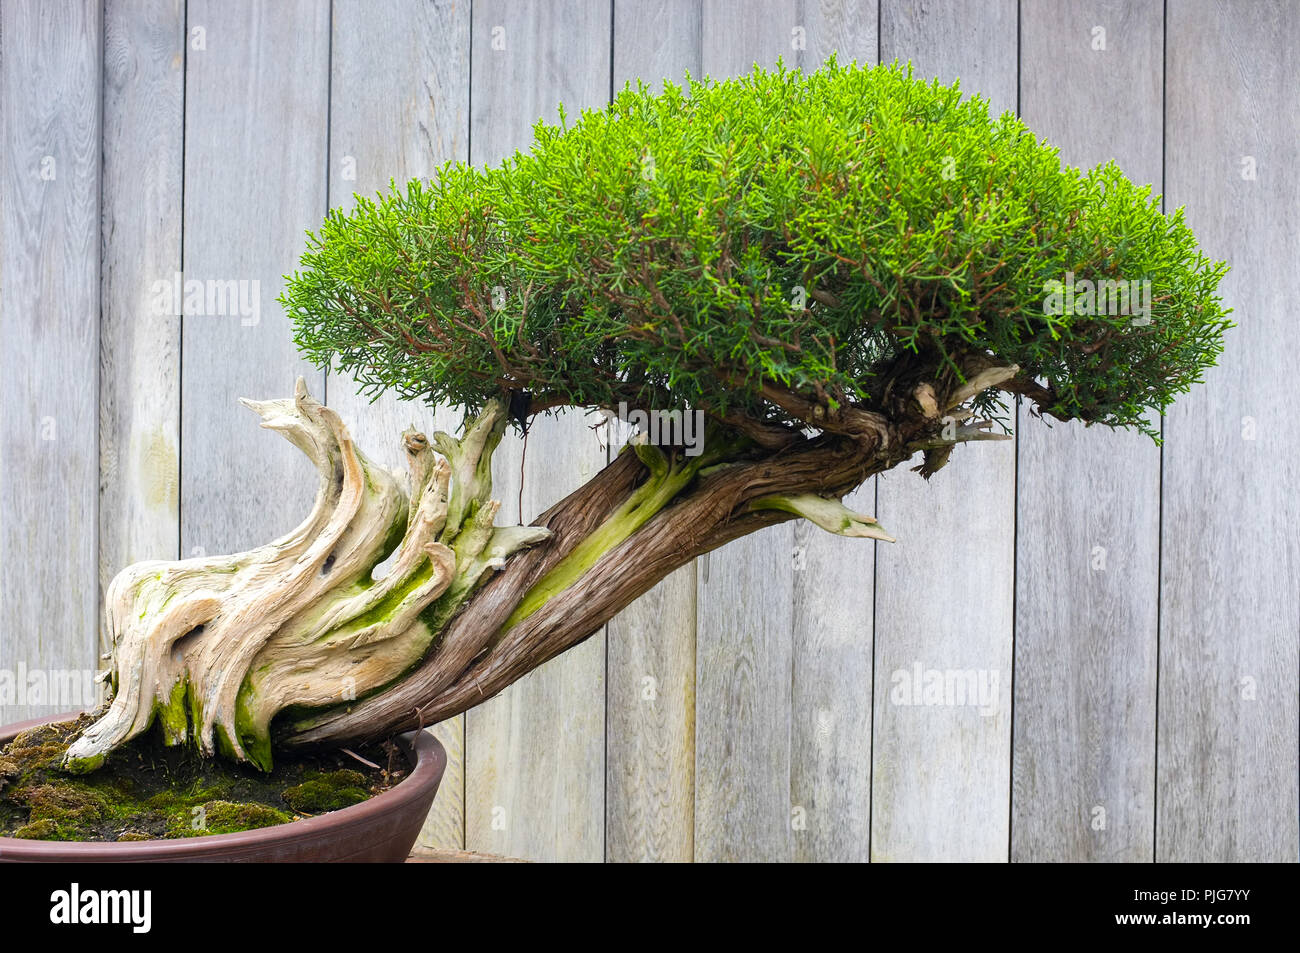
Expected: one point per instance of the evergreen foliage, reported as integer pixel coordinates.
(811, 231)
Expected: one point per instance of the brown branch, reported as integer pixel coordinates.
(845, 419)
(475, 660)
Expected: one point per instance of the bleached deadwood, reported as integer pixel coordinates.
(216, 647)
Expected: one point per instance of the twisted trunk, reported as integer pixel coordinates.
(215, 649)
(489, 645)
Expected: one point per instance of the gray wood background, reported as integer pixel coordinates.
(1139, 606)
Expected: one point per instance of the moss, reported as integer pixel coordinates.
(388, 603)
(328, 792)
(255, 741)
(222, 742)
(223, 817)
(8, 771)
(665, 482)
(148, 789)
(36, 747)
(39, 830)
(85, 765)
(182, 798)
(174, 716)
(67, 804)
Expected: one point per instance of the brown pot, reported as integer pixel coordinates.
(382, 829)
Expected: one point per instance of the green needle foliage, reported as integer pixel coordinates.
(808, 231)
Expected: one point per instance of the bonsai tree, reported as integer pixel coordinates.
(837, 271)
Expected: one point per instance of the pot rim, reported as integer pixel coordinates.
(427, 752)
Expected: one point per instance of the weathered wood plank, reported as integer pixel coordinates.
(400, 122)
(256, 115)
(1230, 602)
(944, 591)
(830, 730)
(535, 766)
(650, 694)
(831, 613)
(745, 609)
(744, 658)
(1088, 499)
(139, 349)
(774, 779)
(50, 122)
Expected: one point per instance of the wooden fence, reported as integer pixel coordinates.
(1131, 611)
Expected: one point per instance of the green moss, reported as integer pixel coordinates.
(85, 765)
(328, 792)
(174, 716)
(148, 789)
(222, 741)
(226, 817)
(388, 603)
(666, 480)
(66, 804)
(255, 739)
(178, 798)
(40, 830)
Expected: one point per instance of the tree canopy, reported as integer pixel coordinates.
(761, 246)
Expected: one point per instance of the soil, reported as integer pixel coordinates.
(147, 791)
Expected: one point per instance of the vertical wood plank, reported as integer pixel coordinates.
(1088, 504)
(535, 754)
(776, 731)
(744, 614)
(399, 123)
(832, 593)
(256, 115)
(830, 709)
(650, 693)
(50, 117)
(139, 353)
(1227, 786)
(944, 591)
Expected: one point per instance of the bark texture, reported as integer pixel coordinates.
(217, 648)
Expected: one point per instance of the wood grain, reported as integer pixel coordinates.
(832, 592)
(650, 692)
(535, 765)
(944, 591)
(1231, 556)
(745, 612)
(139, 349)
(397, 123)
(50, 118)
(1088, 499)
(256, 120)
(775, 729)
